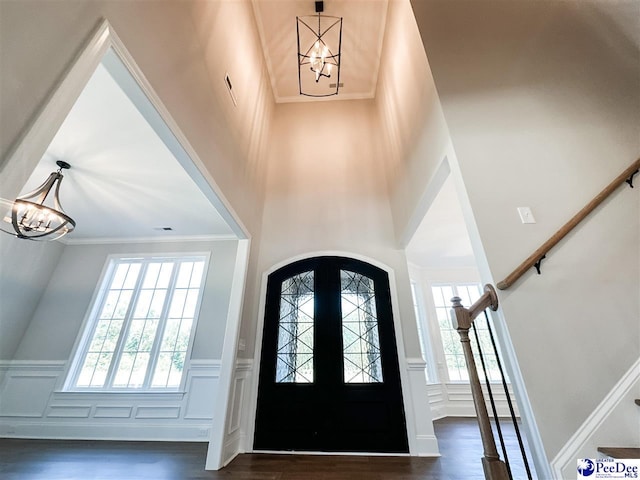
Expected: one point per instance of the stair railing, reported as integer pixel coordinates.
(535, 259)
(463, 320)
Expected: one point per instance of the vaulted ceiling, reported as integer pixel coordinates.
(125, 184)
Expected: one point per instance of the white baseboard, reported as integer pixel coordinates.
(63, 430)
(617, 403)
(427, 446)
(232, 448)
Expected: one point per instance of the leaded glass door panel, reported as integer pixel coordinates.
(329, 377)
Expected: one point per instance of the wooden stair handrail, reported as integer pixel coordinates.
(536, 256)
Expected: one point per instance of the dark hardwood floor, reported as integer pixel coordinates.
(459, 441)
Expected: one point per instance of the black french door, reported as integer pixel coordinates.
(329, 375)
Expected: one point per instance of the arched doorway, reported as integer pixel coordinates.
(329, 375)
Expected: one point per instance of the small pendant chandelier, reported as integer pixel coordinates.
(314, 51)
(31, 219)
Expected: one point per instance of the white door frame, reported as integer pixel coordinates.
(422, 440)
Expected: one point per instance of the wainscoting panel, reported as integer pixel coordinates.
(158, 411)
(455, 400)
(69, 411)
(32, 384)
(29, 394)
(32, 406)
(110, 411)
(236, 434)
(200, 403)
(238, 393)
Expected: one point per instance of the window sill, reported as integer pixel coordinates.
(465, 382)
(147, 394)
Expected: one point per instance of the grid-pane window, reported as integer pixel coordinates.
(295, 330)
(360, 339)
(454, 357)
(142, 324)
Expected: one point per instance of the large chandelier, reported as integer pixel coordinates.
(318, 62)
(31, 219)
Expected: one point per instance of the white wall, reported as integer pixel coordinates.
(64, 305)
(326, 192)
(412, 124)
(543, 107)
(231, 45)
(614, 422)
(25, 272)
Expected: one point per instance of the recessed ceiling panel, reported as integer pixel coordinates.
(363, 27)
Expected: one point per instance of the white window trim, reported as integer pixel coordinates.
(433, 375)
(89, 324)
(443, 369)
